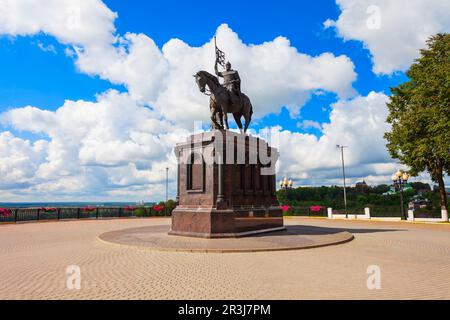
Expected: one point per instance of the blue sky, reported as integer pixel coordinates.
(103, 118)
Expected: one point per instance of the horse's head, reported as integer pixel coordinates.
(201, 82)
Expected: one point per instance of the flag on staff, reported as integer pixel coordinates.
(220, 55)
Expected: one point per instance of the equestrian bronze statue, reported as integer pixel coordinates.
(226, 98)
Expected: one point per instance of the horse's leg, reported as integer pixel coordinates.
(214, 112)
(213, 125)
(237, 117)
(213, 118)
(248, 113)
(219, 121)
(223, 103)
(225, 115)
(220, 117)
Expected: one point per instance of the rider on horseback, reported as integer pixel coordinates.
(232, 82)
(226, 98)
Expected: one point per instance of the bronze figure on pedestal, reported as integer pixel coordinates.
(227, 97)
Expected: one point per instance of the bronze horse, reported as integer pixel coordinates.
(220, 102)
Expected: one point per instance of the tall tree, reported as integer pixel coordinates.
(419, 112)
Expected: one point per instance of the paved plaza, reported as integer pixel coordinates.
(414, 260)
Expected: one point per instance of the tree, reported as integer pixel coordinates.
(420, 186)
(419, 112)
(170, 205)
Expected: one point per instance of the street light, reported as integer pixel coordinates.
(167, 191)
(343, 175)
(400, 179)
(286, 184)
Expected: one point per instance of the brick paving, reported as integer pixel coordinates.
(414, 261)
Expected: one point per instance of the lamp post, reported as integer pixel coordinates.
(286, 184)
(343, 175)
(167, 191)
(400, 179)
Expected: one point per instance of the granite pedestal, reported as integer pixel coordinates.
(226, 186)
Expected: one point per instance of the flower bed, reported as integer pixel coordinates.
(47, 213)
(5, 212)
(130, 209)
(89, 209)
(158, 208)
(88, 212)
(315, 209)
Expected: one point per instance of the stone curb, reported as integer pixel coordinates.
(349, 237)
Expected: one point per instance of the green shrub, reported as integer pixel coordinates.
(142, 212)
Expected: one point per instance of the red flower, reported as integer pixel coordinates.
(130, 208)
(158, 208)
(49, 209)
(4, 212)
(88, 209)
(285, 208)
(316, 209)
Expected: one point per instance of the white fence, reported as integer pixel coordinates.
(444, 217)
(366, 216)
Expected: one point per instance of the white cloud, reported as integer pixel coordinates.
(393, 31)
(93, 147)
(19, 160)
(134, 61)
(47, 48)
(274, 73)
(309, 124)
(358, 123)
(78, 22)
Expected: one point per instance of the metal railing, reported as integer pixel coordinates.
(306, 212)
(350, 211)
(427, 213)
(11, 215)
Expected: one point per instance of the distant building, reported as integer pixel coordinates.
(393, 191)
(362, 185)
